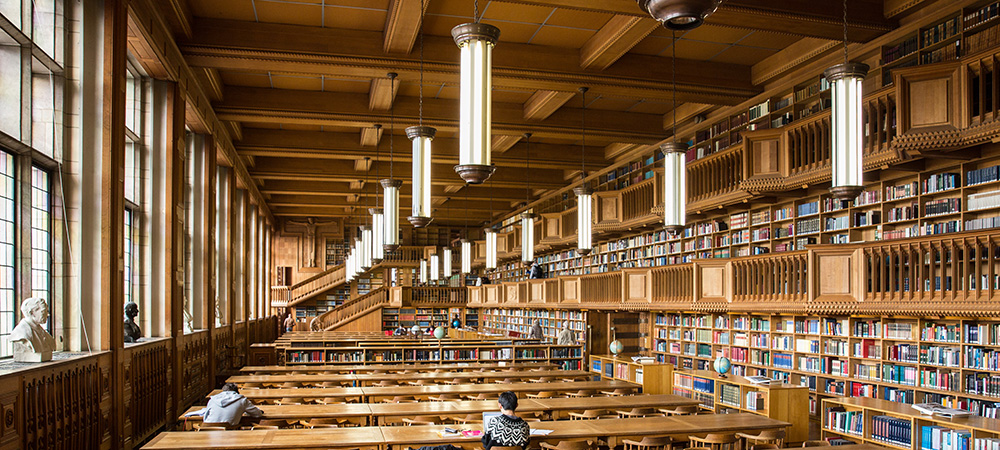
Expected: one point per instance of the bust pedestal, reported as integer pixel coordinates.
(33, 357)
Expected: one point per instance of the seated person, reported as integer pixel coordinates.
(228, 406)
(506, 430)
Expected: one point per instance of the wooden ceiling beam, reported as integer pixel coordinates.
(402, 25)
(178, 15)
(542, 104)
(381, 94)
(259, 47)
(330, 145)
(355, 213)
(373, 189)
(796, 17)
(504, 142)
(265, 105)
(614, 39)
(370, 136)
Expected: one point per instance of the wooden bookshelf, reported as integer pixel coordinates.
(407, 317)
(404, 352)
(655, 378)
(735, 394)
(517, 322)
(908, 360)
(896, 425)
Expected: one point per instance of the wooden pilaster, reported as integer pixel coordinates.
(174, 240)
(113, 212)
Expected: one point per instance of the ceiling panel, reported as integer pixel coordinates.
(606, 103)
(502, 11)
(354, 18)
(769, 40)
(562, 37)
(710, 33)
(342, 85)
(696, 49)
(298, 13)
(646, 107)
(578, 19)
(224, 9)
(302, 83)
(232, 78)
(743, 55)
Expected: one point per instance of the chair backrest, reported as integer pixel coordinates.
(584, 444)
(772, 434)
(207, 426)
(816, 443)
(765, 447)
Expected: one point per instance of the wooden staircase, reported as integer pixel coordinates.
(285, 296)
(350, 310)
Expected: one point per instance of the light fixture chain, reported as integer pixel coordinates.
(673, 81)
(583, 148)
(392, 120)
(845, 32)
(378, 144)
(475, 11)
(421, 74)
(527, 170)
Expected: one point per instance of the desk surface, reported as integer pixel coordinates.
(392, 391)
(373, 377)
(608, 429)
(393, 367)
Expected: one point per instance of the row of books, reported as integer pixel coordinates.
(940, 32)
(982, 40)
(942, 206)
(903, 49)
(941, 182)
(892, 430)
(981, 15)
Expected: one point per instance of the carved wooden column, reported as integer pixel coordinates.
(113, 211)
(174, 241)
(208, 295)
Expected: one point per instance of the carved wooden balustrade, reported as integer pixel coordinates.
(672, 284)
(769, 282)
(456, 296)
(715, 178)
(350, 309)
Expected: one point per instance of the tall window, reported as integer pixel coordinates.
(222, 233)
(8, 305)
(189, 217)
(41, 235)
(133, 185)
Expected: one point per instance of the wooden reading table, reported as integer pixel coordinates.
(369, 379)
(384, 413)
(399, 367)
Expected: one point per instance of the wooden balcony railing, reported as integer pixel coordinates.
(716, 174)
(350, 310)
(672, 284)
(456, 296)
(809, 144)
(639, 199)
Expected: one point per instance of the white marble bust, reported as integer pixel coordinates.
(31, 342)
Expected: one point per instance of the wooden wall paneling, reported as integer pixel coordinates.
(12, 422)
(113, 212)
(931, 98)
(61, 405)
(368, 322)
(150, 382)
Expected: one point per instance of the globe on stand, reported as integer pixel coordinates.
(722, 366)
(616, 347)
(439, 332)
(416, 329)
(455, 323)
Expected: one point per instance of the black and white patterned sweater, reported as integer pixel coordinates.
(504, 431)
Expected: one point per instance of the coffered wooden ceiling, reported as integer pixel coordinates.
(302, 83)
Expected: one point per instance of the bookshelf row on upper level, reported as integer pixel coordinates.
(942, 197)
(951, 361)
(569, 357)
(518, 322)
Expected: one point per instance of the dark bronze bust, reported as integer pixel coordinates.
(132, 331)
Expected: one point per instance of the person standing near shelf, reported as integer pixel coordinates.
(566, 336)
(289, 323)
(536, 331)
(536, 271)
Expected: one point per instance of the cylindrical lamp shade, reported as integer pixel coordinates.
(847, 128)
(349, 267)
(435, 267)
(675, 186)
(423, 271)
(378, 235)
(527, 237)
(584, 220)
(390, 214)
(421, 137)
(466, 256)
(491, 249)
(476, 41)
(358, 256)
(366, 248)
(446, 262)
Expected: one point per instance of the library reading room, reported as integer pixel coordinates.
(499, 224)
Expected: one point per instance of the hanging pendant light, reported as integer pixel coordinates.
(527, 218)
(475, 41)
(680, 14)
(846, 122)
(422, 137)
(466, 256)
(366, 247)
(435, 267)
(584, 200)
(423, 271)
(491, 248)
(378, 226)
(349, 267)
(446, 261)
(674, 165)
(390, 188)
(358, 255)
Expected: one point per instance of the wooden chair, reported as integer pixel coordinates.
(401, 399)
(650, 443)
(638, 412)
(542, 394)
(466, 419)
(421, 420)
(211, 426)
(617, 392)
(252, 386)
(454, 381)
(716, 441)
(582, 393)
(270, 424)
(816, 443)
(591, 414)
(764, 447)
(680, 410)
(383, 383)
(776, 437)
(542, 379)
(507, 380)
(290, 385)
(575, 444)
(445, 397)
(421, 383)
(290, 401)
(336, 384)
(322, 422)
(480, 396)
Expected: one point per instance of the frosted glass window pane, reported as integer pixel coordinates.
(10, 89)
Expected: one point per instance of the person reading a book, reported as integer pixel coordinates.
(229, 406)
(506, 430)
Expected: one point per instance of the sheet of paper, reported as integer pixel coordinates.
(539, 432)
